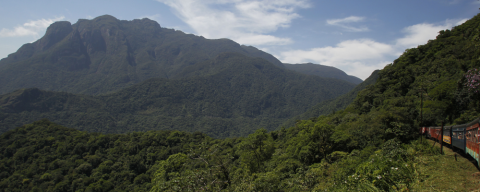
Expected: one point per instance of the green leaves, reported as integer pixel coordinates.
(49, 157)
(234, 99)
(256, 149)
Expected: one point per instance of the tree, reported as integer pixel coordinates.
(255, 149)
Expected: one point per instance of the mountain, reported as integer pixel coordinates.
(322, 71)
(331, 106)
(371, 145)
(235, 96)
(106, 54)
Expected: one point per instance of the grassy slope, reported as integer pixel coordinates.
(444, 173)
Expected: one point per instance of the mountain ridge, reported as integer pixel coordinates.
(323, 71)
(106, 54)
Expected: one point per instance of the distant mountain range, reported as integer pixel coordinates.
(322, 71)
(150, 78)
(106, 54)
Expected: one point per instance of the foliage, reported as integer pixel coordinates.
(235, 100)
(44, 156)
(390, 168)
(371, 145)
(331, 106)
(473, 80)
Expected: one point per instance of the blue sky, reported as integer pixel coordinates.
(354, 36)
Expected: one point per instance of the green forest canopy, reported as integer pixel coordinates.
(369, 146)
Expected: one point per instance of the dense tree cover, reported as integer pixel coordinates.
(302, 158)
(323, 71)
(435, 73)
(369, 146)
(239, 95)
(44, 156)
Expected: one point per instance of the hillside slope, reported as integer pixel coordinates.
(237, 96)
(331, 106)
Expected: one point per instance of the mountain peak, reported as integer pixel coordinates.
(55, 33)
(105, 17)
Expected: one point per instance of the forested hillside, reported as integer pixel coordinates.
(237, 96)
(331, 106)
(369, 146)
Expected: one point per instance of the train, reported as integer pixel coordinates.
(465, 137)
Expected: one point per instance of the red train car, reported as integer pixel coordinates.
(472, 137)
(435, 133)
(465, 137)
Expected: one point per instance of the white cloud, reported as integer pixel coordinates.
(343, 23)
(351, 50)
(420, 33)
(244, 21)
(352, 56)
(254, 39)
(360, 57)
(31, 28)
(345, 20)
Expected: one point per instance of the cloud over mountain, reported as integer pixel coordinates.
(244, 21)
(358, 57)
(32, 28)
